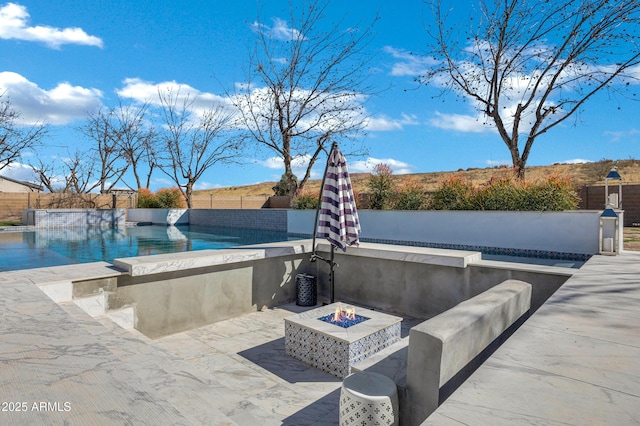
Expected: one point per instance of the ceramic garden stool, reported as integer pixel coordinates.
(368, 399)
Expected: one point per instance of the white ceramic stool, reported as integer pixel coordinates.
(368, 399)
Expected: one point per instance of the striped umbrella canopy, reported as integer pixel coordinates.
(338, 221)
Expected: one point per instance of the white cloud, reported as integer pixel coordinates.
(384, 123)
(199, 186)
(316, 111)
(461, 122)
(279, 31)
(14, 24)
(408, 64)
(278, 163)
(368, 165)
(163, 183)
(61, 105)
(576, 161)
(498, 162)
(299, 166)
(622, 135)
(146, 91)
(19, 171)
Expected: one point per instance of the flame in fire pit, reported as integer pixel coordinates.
(343, 314)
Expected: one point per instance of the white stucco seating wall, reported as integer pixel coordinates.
(174, 262)
(565, 232)
(426, 255)
(441, 346)
(159, 216)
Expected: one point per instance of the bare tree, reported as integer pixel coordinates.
(305, 86)
(80, 173)
(15, 138)
(46, 174)
(193, 141)
(528, 66)
(106, 147)
(136, 138)
(74, 174)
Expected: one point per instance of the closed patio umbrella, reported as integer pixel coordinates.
(336, 216)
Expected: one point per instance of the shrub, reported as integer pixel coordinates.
(411, 197)
(166, 198)
(306, 200)
(552, 193)
(286, 186)
(146, 199)
(502, 193)
(170, 198)
(454, 193)
(382, 188)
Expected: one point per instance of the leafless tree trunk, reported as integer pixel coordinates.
(100, 130)
(15, 139)
(46, 175)
(136, 139)
(528, 66)
(193, 141)
(305, 87)
(80, 173)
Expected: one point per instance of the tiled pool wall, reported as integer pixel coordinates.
(63, 218)
(265, 219)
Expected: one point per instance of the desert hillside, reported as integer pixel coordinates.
(580, 174)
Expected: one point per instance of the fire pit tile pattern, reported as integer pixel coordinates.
(335, 351)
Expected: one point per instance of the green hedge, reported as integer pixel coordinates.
(306, 200)
(506, 193)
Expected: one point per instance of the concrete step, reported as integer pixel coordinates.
(95, 297)
(93, 305)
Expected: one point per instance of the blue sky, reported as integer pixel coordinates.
(62, 59)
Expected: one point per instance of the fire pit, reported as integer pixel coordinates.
(343, 317)
(333, 338)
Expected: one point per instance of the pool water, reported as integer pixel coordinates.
(65, 246)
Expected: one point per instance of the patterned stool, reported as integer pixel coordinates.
(368, 399)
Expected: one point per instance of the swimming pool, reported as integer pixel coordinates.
(65, 246)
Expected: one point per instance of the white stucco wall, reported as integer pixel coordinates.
(159, 216)
(569, 232)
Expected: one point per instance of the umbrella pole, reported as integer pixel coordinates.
(332, 275)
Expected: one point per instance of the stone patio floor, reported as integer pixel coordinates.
(575, 361)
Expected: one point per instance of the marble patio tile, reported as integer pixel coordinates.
(285, 403)
(512, 395)
(617, 326)
(185, 347)
(587, 359)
